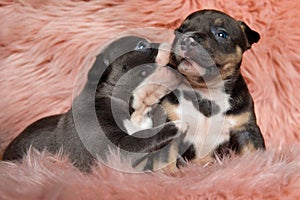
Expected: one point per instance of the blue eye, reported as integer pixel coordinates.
(222, 34)
(141, 45)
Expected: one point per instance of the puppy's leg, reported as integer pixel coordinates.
(244, 140)
(158, 83)
(166, 159)
(150, 139)
(161, 82)
(161, 143)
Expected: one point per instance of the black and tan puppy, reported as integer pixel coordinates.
(98, 121)
(214, 98)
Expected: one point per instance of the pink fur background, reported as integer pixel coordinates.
(45, 44)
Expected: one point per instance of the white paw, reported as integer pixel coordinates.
(182, 126)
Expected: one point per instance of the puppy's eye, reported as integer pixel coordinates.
(141, 45)
(222, 34)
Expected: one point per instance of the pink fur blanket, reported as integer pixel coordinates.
(46, 48)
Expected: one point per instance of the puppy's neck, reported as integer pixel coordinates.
(230, 82)
(215, 84)
(218, 86)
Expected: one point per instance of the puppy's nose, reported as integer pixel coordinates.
(188, 43)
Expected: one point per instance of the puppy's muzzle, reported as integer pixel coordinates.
(191, 50)
(188, 44)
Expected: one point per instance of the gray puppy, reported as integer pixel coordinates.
(99, 120)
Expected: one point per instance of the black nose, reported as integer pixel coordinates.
(188, 43)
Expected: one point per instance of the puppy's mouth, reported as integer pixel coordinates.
(189, 67)
(196, 72)
(194, 61)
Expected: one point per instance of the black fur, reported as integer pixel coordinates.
(208, 37)
(207, 107)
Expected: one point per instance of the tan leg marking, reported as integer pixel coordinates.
(171, 110)
(238, 122)
(171, 161)
(248, 148)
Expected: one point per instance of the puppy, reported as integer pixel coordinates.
(213, 96)
(99, 120)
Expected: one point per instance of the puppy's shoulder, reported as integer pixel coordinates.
(240, 99)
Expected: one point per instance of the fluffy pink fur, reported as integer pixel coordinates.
(271, 175)
(45, 44)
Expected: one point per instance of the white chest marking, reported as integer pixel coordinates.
(206, 133)
(131, 127)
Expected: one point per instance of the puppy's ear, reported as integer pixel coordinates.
(251, 35)
(98, 70)
(180, 29)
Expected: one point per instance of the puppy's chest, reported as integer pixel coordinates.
(204, 111)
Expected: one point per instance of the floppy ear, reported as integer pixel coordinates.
(251, 35)
(98, 70)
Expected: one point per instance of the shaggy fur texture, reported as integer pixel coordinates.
(45, 44)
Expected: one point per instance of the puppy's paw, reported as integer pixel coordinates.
(147, 95)
(183, 127)
(156, 86)
(141, 119)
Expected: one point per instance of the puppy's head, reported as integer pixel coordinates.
(123, 65)
(120, 56)
(210, 43)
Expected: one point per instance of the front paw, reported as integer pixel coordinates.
(147, 95)
(183, 127)
(141, 118)
(157, 85)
